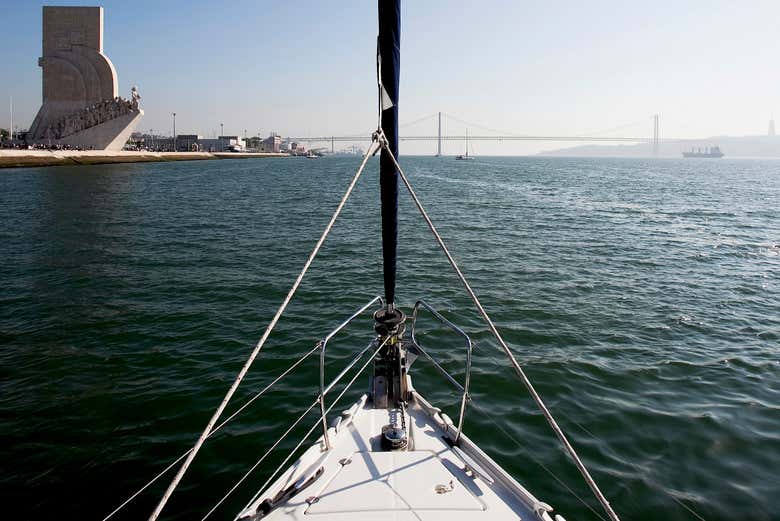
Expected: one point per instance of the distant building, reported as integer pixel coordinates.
(162, 143)
(210, 145)
(772, 126)
(222, 144)
(297, 149)
(188, 142)
(272, 143)
(232, 143)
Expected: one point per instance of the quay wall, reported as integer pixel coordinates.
(30, 158)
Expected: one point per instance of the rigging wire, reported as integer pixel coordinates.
(378, 85)
(281, 465)
(519, 370)
(686, 507)
(546, 469)
(284, 436)
(521, 446)
(341, 394)
(231, 391)
(218, 427)
(585, 430)
(248, 472)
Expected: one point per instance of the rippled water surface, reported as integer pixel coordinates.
(641, 296)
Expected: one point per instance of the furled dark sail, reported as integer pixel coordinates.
(389, 58)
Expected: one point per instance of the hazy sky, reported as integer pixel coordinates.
(303, 68)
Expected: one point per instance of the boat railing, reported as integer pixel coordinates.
(463, 388)
(323, 345)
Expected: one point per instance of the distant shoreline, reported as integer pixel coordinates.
(765, 147)
(33, 158)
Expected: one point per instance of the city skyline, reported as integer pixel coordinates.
(520, 68)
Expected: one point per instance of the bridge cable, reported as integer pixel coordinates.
(612, 129)
(367, 132)
(471, 124)
(418, 120)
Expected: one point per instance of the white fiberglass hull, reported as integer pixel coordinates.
(357, 479)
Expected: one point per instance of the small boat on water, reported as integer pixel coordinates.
(711, 152)
(466, 156)
(392, 455)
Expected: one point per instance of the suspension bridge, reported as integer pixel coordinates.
(493, 135)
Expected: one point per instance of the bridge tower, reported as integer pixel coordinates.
(438, 150)
(655, 136)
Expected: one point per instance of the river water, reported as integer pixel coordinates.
(641, 296)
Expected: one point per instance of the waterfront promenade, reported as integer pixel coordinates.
(20, 158)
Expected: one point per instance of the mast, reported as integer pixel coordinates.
(389, 48)
(388, 384)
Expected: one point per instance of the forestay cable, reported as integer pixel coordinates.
(519, 370)
(174, 483)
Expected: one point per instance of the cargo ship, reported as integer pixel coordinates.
(704, 152)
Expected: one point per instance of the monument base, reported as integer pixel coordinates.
(110, 136)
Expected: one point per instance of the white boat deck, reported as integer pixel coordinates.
(358, 479)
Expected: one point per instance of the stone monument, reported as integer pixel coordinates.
(81, 105)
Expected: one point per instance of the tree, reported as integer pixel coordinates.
(253, 142)
(3, 134)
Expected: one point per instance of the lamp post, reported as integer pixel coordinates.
(174, 131)
(221, 137)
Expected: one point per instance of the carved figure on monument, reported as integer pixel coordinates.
(80, 93)
(101, 112)
(135, 97)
